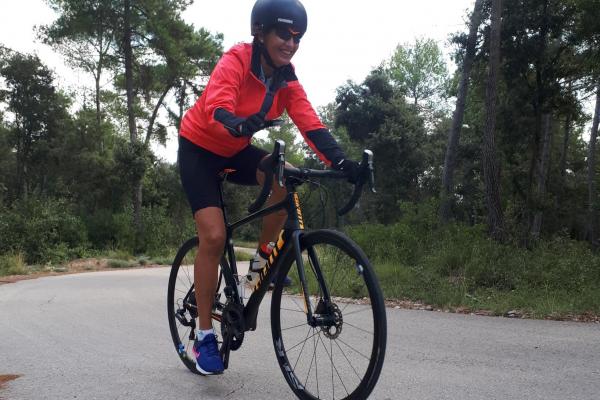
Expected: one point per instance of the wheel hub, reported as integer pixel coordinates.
(333, 330)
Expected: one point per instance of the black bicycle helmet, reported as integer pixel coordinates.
(268, 13)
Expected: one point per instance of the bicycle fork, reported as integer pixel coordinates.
(323, 318)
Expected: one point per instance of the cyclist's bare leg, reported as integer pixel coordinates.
(272, 223)
(209, 221)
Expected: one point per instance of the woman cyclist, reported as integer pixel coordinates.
(251, 85)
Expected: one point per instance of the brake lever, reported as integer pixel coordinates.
(366, 173)
(281, 163)
(276, 160)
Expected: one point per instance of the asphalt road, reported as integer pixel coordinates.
(105, 335)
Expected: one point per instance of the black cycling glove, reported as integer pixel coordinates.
(350, 167)
(239, 126)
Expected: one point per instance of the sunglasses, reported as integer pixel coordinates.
(286, 33)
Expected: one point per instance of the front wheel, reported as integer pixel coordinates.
(342, 357)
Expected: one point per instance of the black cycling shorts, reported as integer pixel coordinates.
(199, 171)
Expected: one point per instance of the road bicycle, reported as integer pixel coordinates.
(329, 329)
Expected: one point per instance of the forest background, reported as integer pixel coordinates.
(486, 177)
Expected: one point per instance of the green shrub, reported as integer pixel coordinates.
(121, 263)
(42, 229)
(12, 264)
(143, 260)
(159, 232)
(162, 260)
(243, 256)
(108, 229)
(393, 242)
(457, 265)
(119, 254)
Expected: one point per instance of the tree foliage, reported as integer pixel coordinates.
(419, 70)
(90, 158)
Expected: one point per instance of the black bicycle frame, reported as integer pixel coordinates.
(289, 240)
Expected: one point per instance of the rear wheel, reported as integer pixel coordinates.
(341, 356)
(181, 304)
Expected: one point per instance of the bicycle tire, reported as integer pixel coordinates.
(332, 250)
(183, 274)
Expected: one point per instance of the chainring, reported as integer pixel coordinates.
(232, 324)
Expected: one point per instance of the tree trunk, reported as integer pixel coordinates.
(447, 190)
(540, 107)
(490, 163)
(542, 175)
(181, 105)
(129, 72)
(592, 195)
(563, 161)
(565, 148)
(23, 149)
(137, 186)
(150, 130)
(98, 76)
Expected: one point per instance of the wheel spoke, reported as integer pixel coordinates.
(311, 363)
(355, 311)
(302, 349)
(184, 292)
(330, 267)
(333, 365)
(302, 341)
(297, 305)
(360, 329)
(289, 309)
(292, 327)
(316, 364)
(346, 357)
(187, 274)
(353, 349)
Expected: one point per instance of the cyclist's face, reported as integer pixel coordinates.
(281, 50)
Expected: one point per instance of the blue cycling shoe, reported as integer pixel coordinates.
(287, 281)
(208, 358)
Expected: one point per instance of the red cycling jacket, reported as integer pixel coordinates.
(235, 86)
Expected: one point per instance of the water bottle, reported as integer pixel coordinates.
(241, 288)
(258, 263)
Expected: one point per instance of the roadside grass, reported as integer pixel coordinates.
(13, 264)
(426, 287)
(167, 259)
(454, 267)
(243, 256)
(457, 267)
(245, 243)
(162, 260)
(113, 263)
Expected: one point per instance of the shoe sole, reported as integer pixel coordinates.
(203, 372)
(206, 373)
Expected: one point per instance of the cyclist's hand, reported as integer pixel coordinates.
(350, 167)
(249, 126)
(253, 124)
(238, 126)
